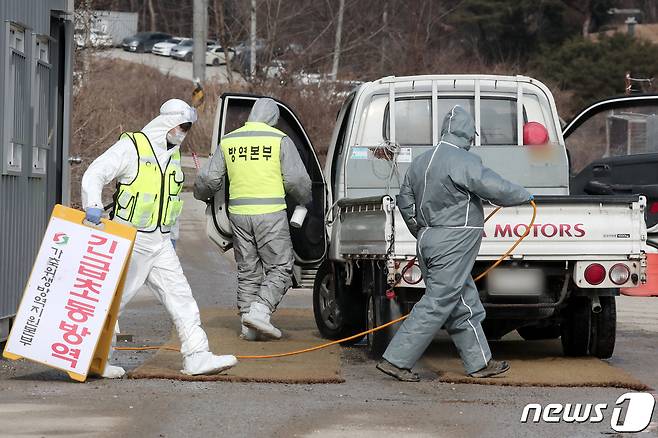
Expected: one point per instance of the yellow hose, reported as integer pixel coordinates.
(358, 335)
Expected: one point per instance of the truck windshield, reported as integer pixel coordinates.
(498, 121)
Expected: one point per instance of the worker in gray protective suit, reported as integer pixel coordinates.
(263, 165)
(441, 203)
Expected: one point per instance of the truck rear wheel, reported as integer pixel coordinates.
(379, 310)
(587, 333)
(378, 313)
(604, 329)
(337, 315)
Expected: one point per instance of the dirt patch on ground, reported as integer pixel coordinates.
(223, 325)
(533, 363)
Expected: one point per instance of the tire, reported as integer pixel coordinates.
(187, 57)
(380, 310)
(603, 329)
(215, 62)
(539, 333)
(574, 329)
(337, 315)
(587, 333)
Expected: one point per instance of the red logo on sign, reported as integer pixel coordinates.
(60, 238)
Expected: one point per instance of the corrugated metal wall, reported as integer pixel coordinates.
(27, 196)
(33, 13)
(22, 222)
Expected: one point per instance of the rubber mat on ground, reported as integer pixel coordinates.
(533, 363)
(223, 327)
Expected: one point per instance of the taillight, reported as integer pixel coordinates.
(619, 274)
(411, 274)
(653, 208)
(595, 274)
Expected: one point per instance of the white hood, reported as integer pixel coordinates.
(173, 112)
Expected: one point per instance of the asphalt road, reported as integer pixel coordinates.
(167, 65)
(36, 401)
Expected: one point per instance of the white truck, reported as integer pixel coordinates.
(560, 282)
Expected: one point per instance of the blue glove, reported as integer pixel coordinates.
(93, 215)
(532, 198)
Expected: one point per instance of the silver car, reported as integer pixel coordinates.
(164, 48)
(183, 51)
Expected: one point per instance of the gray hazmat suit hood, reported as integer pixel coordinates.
(458, 128)
(265, 110)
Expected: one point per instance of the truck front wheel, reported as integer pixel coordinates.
(337, 315)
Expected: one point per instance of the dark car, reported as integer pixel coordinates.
(144, 41)
(243, 55)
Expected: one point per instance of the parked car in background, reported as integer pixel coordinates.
(184, 50)
(243, 55)
(144, 41)
(216, 55)
(164, 48)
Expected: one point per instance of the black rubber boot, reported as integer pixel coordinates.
(493, 368)
(401, 374)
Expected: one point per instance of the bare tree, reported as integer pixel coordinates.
(85, 16)
(252, 39)
(384, 43)
(585, 9)
(220, 33)
(151, 10)
(339, 32)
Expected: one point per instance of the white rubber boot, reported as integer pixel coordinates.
(248, 334)
(113, 372)
(205, 362)
(258, 318)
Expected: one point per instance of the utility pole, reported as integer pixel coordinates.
(200, 34)
(339, 31)
(252, 48)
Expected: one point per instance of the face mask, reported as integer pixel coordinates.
(176, 137)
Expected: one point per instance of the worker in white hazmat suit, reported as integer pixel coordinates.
(146, 165)
(263, 166)
(441, 203)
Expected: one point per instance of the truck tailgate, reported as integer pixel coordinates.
(566, 227)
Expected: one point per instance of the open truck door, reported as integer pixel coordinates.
(613, 149)
(309, 241)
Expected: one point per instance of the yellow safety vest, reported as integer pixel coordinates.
(152, 199)
(253, 162)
